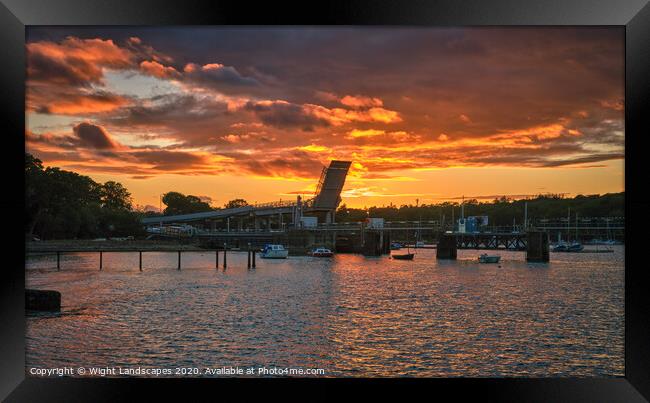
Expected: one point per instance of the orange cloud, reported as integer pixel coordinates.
(156, 69)
(74, 61)
(218, 119)
(359, 101)
(86, 104)
(315, 148)
(355, 133)
(340, 116)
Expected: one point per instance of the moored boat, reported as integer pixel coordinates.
(575, 247)
(322, 252)
(395, 246)
(560, 247)
(568, 247)
(485, 258)
(405, 256)
(272, 251)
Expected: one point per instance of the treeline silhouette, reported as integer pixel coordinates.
(500, 211)
(62, 204)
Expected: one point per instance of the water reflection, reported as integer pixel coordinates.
(349, 315)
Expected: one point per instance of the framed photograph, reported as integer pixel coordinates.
(441, 194)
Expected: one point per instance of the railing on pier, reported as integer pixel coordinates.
(217, 251)
(172, 231)
(274, 204)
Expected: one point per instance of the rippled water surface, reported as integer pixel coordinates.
(350, 315)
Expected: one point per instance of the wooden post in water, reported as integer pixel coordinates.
(100, 260)
(253, 253)
(249, 256)
(179, 260)
(216, 258)
(224, 256)
(58, 260)
(140, 260)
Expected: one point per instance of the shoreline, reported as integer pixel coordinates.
(83, 245)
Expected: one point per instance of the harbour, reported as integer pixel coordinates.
(318, 202)
(456, 317)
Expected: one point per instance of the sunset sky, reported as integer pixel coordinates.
(253, 113)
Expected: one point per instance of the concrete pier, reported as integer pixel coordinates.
(446, 248)
(537, 247)
(372, 243)
(43, 300)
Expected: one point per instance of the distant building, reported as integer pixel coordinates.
(472, 224)
(374, 222)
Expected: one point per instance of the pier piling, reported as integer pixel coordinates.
(224, 256)
(140, 260)
(100, 260)
(179, 260)
(253, 253)
(249, 256)
(537, 247)
(446, 248)
(216, 258)
(58, 260)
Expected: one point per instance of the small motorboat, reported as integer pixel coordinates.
(271, 251)
(485, 258)
(419, 244)
(560, 247)
(575, 247)
(321, 252)
(405, 256)
(568, 247)
(395, 246)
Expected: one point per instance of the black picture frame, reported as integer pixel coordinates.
(15, 15)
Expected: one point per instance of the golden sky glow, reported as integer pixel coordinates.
(428, 114)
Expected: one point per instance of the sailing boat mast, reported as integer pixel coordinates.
(453, 225)
(525, 216)
(568, 225)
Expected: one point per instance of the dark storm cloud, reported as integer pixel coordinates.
(43, 68)
(290, 164)
(217, 76)
(93, 136)
(285, 115)
(85, 135)
(168, 160)
(169, 110)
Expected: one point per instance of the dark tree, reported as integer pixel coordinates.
(236, 203)
(178, 203)
(115, 196)
(62, 204)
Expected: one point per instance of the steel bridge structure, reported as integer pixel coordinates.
(270, 216)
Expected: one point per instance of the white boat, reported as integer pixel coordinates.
(419, 244)
(321, 252)
(485, 258)
(271, 251)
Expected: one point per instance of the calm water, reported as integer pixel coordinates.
(350, 315)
